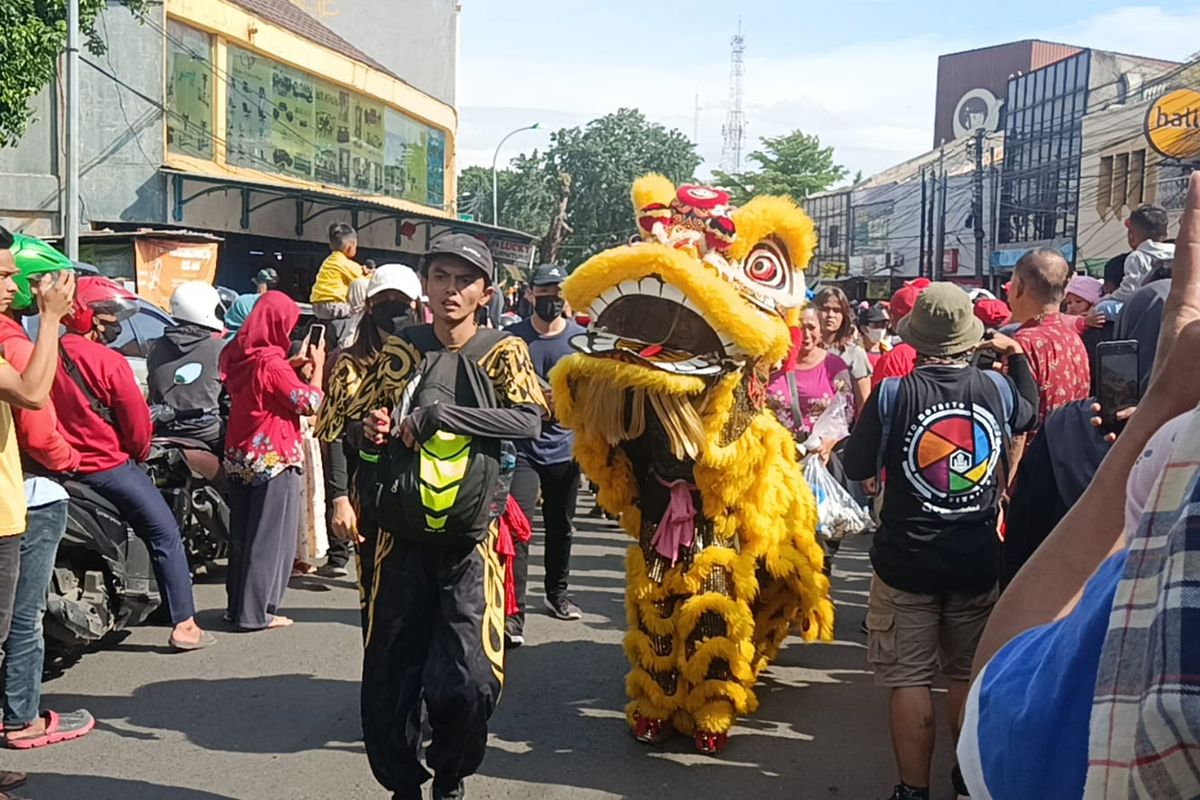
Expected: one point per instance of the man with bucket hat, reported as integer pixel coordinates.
(939, 434)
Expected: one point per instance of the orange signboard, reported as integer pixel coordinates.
(163, 264)
(1173, 124)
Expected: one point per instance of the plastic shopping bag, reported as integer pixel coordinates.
(833, 425)
(838, 515)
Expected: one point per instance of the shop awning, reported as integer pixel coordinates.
(187, 186)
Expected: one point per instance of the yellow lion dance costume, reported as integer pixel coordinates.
(667, 401)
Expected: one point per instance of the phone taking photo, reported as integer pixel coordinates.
(1117, 384)
(316, 335)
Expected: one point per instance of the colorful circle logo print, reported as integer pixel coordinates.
(952, 453)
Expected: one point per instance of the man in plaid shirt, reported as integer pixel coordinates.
(1085, 677)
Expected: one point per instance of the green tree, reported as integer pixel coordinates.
(34, 36)
(599, 162)
(604, 158)
(795, 165)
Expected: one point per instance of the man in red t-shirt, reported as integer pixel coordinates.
(901, 359)
(1056, 353)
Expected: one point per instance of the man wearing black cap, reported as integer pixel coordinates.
(265, 280)
(545, 464)
(435, 621)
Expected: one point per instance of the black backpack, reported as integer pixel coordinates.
(450, 491)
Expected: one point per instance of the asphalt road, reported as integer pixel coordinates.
(275, 714)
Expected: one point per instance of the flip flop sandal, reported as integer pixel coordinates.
(12, 780)
(59, 728)
(206, 640)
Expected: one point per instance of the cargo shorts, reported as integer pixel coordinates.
(910, 636)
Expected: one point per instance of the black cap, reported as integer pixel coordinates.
(465, 247)
(872, 315)
(548, 275)
(267, 277)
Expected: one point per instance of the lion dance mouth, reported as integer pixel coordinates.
(667, 400)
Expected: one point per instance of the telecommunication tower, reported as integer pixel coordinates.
(734, 129)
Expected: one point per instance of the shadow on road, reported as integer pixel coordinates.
(820, 731)
(271, 714)
(95, 787)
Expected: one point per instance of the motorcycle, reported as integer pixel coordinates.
(192, 480)
(103, 579)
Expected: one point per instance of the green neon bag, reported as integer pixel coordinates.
(445, 491)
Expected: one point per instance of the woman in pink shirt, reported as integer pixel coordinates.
(809, 381)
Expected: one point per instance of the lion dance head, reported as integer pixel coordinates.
(666, 397)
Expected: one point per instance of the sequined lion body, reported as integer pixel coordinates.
(667, 401)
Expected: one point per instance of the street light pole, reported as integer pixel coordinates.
(495, 190)
(71, 179)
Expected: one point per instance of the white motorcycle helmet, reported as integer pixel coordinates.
(196, 302)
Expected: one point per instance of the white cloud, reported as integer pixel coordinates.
(872, 101)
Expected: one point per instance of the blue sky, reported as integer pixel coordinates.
(859, 73)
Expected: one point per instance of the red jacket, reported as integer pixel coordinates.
(37, 431)
(106, 372)
(895, 363)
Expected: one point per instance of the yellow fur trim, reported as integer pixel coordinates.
(758, 334)
(641, 687)
(737, 654)
(652, 188)
(738, 620)
(699, 701)
(640, 651)
(774, 218)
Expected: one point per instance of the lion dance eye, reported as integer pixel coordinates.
(767, 265)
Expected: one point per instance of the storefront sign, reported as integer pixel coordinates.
(879, 288)
(162, 265)
(509, 251)
(832, 269)
(289, 122)
(1173, 124)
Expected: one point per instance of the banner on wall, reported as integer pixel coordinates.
(162, 265)
(289, 122)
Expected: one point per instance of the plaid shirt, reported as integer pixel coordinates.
(1145, 722)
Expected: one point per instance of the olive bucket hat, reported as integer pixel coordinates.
(942, 322)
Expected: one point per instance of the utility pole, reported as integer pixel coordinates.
(70, 199)
(977, 205)
(924, 200)
(927, 269)
(994, 216)
(940, 264)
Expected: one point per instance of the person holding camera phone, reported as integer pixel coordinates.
(264, 454)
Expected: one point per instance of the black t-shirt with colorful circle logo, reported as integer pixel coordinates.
(943, 464)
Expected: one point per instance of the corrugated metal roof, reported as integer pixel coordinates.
(291, 17)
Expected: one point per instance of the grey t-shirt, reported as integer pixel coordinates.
(856, 360)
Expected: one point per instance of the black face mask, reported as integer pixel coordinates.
(110, 332)
(392, 316)
(548, 309)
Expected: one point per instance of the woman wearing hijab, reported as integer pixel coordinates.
(238, 311)
(264, 454)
